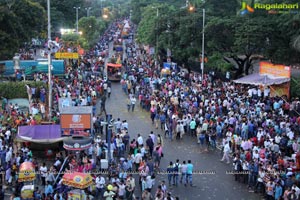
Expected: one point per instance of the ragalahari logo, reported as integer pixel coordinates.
(246, 9)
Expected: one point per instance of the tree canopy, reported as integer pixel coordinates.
(17, 25)
(232, 40)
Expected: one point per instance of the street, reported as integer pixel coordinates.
(209, 186)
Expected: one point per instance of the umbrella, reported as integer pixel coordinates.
(26, 172)
(77, 180)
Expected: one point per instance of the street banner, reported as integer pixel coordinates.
(152, 51)
(75, 121)
(66, 55)
(266, 68)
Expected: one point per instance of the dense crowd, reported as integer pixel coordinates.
(260, 132)
(133, 158)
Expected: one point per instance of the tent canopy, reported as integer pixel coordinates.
(45, 134)
(265, 80)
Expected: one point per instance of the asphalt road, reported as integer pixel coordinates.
(210, 186)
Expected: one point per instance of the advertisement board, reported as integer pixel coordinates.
(66, 55)
(266, 68)
(75, 121)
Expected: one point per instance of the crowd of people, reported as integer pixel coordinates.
(84, 85)
(258, 133)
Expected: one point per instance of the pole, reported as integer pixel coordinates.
(101, 8)
(49, 61)
(88, 11)
(77, 20)
(108, 137)
(202, 57)
(77, 8)
(130, 15)
(156, 51)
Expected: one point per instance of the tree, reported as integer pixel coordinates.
(19, 22)
(63, 14)
(91, 29)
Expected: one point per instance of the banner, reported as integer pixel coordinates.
(280, 90)
(152, 51)
(266, 68)
(75, 121)
(66, 55)
(64, 102)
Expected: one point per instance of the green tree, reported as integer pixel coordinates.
(19, 22)
(91, 29)
(63, 14)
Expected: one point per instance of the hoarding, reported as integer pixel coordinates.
(66, 55)
(75, 121)
(266, 68)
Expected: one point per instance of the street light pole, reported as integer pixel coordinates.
(156, 35)
(130, 16)
(202, 56)
(77, 8)
(88, 11)
(49, 62)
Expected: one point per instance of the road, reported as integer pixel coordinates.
(215, 186)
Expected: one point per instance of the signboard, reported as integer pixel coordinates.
(152, 51)
(266, 68)
(75, 121)
(66, 55)
(170, 65)
(167, 65)
(169, 53)
(64, 102)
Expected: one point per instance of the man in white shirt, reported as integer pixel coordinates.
(254, 92)
(266, 92)
(277, 139)
(153, 137)
(57, 163)
(100, 183)
(297, 189)
(290, 134)
(259, 134)
(133, 101)
(7, 134)
(43, 171)
(183, 170)
(124, 125)
(259, 93)
(137, 160)
(118, 125)
(8, 156)
(121, 189)
(143, 150)
(250, 92)
(226, 152)
(140, 140)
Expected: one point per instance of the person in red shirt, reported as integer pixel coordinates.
(248, 156)
(280, 163)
